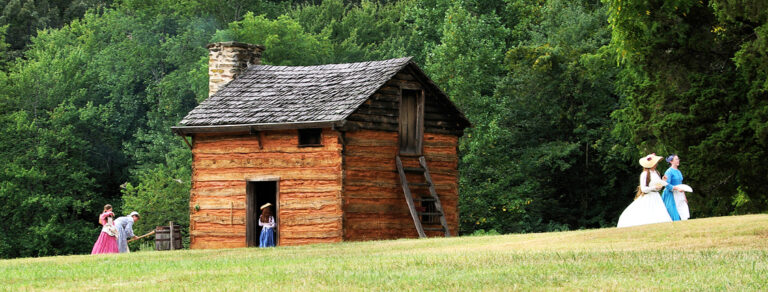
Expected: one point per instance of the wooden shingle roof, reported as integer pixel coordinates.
(266, 94)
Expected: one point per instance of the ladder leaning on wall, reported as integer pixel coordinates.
(417, 213)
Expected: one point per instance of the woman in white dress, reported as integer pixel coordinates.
(648, 207)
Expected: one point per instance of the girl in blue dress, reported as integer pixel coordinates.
(267, 223)
(667, 196)
(673, 197)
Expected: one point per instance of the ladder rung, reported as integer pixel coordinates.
(418, 184)
(431, 213)
(433, 229)
(424, 199)
(413, 169)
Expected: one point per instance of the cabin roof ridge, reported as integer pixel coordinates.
(297, 95)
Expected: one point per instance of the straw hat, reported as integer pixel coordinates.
(265, 205)
(134, 213)
(650, 160)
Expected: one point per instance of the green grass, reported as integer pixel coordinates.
(725, 253)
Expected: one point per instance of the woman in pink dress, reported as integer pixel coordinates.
(106, 243)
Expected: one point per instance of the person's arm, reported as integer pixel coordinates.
(262, 224)
(643, 185)
(129, 229)
(668, 174)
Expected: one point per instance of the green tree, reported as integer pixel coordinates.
(542, 158)
(25, 17)
(287, 41)
(161, 195)
(115, 81)
(692, 86)
(46, 188)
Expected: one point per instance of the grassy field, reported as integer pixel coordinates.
(724, 253)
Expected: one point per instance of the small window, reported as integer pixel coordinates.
(310, 137)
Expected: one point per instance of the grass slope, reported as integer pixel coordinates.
(725, 253)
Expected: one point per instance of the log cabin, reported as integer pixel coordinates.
(343, 152)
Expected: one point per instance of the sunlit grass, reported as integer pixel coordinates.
(725, 253)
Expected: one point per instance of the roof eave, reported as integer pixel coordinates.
(187, 130)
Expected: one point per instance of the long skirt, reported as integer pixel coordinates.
(647, 209)
(105, 244)
(267, 237)
(669, 202)
(682, 205)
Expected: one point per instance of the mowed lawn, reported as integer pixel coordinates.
(723, 253)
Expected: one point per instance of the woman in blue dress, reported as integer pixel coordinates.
(673, 197)
(667, 196)
(267, 223)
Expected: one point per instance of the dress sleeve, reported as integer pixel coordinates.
(643, 185)
(103, 218)
(129, 229)
(669, 175)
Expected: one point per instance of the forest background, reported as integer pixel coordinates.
(564, 97)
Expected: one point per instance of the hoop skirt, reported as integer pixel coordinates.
(647, 209)
(682, 205)
(105, 243)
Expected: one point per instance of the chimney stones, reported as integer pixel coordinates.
(226, 60)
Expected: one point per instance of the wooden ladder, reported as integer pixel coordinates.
(415, 213)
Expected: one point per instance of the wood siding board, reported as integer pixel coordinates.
(219, 219)
(311, 219)
(374, 206)
(359, 125)
(309, 185)
(365, 110)
(404, 76)
(388, 89)
(378, 97)
(379, 119)
(382, 104)
(325, 173)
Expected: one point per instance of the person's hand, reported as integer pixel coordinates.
(135, 237)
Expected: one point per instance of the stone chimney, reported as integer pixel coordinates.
(226, 60)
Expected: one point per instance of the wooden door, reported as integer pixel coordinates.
(411, 121)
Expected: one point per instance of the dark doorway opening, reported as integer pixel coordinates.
(259, 193)
(411, 121)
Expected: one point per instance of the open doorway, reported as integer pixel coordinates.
(259, 193)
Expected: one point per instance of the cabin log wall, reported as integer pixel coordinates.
(309, 187)
(374, 204)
